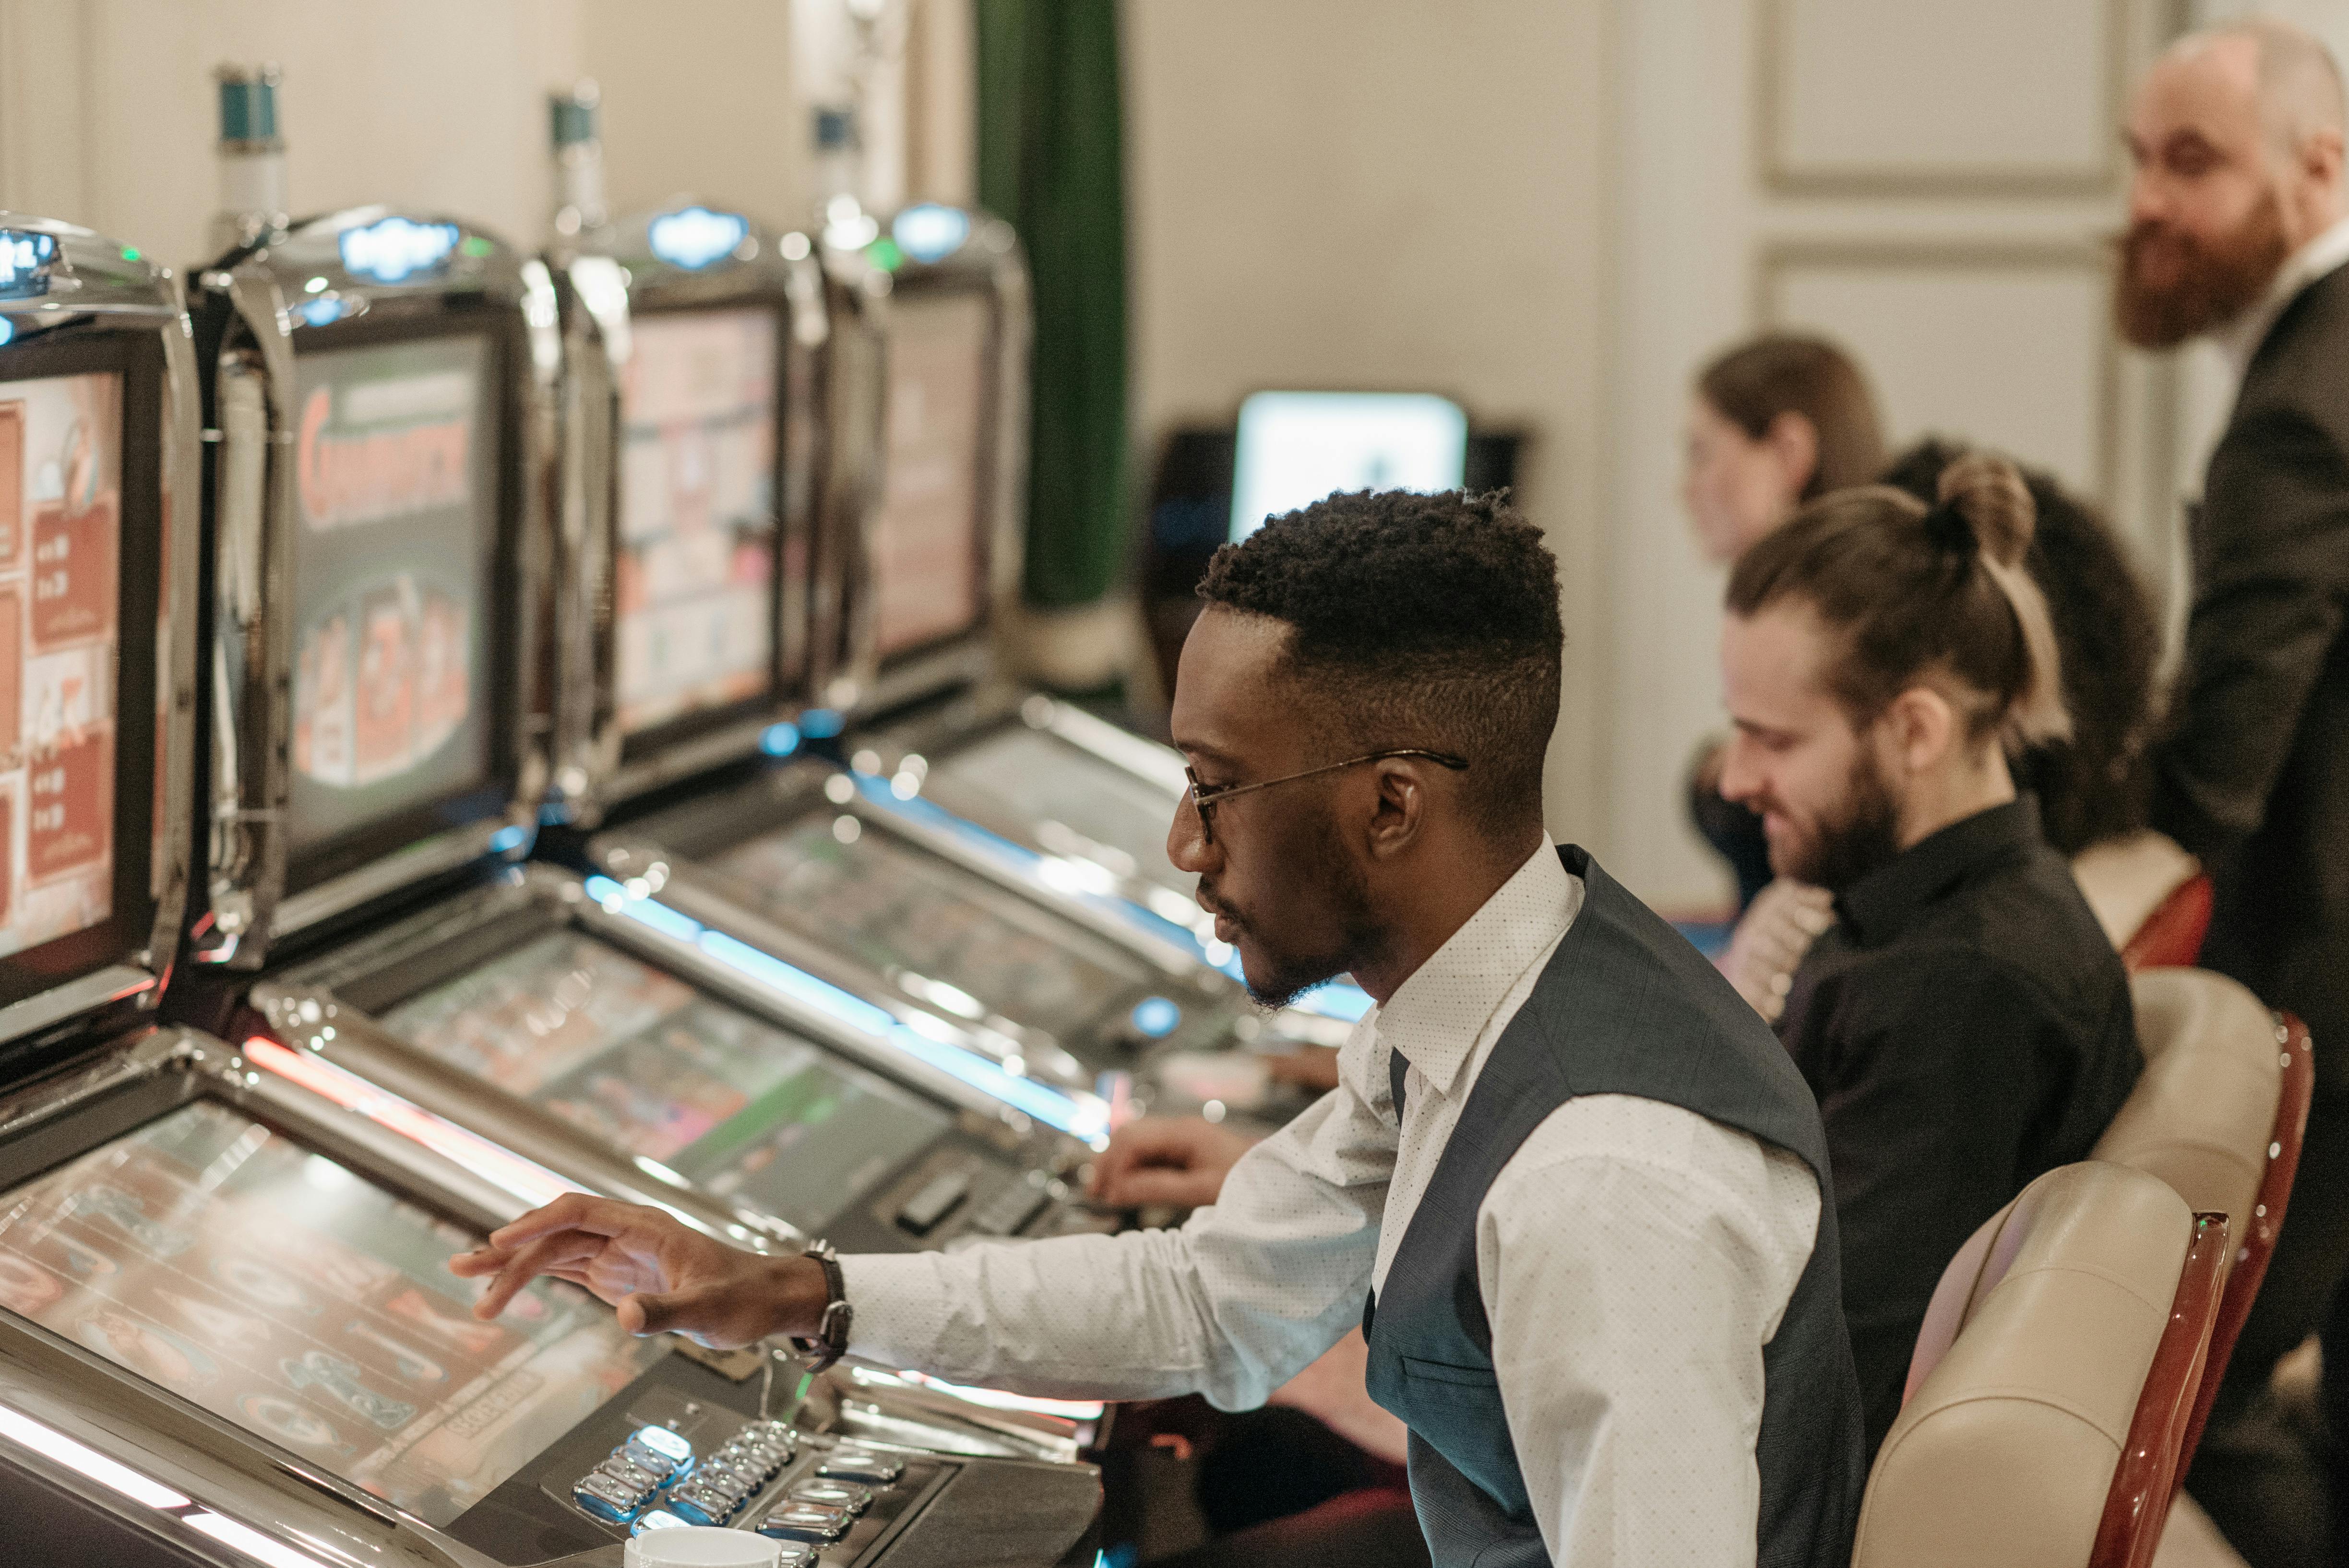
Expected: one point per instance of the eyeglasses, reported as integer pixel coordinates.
(1204, 800)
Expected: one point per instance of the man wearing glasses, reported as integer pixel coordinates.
(1568, 1181)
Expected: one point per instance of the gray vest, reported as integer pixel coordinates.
(1625, 1006)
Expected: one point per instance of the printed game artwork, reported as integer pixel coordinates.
(227, 1263)
(395, 470)
(925, 542)
(60, 541)
(693, 576)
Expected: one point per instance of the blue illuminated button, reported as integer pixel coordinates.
(635, 1477)
(608, 1499)
(1155, 1017)
(657, 1519)
(845, 1463)
(837, 1494)
(736, 1481)
(660, 1451)
(805, 1522)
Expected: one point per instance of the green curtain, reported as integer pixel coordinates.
(1050, 161)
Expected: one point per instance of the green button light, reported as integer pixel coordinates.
(884, 253)
(475, 245)
(129, 254)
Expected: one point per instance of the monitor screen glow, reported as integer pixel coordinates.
(60, 548)
(397, 475)
(926, 555)
(694, 571)
(1295, 448)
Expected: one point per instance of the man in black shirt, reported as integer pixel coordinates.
(1966, 1025)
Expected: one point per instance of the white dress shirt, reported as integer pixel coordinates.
(2241, 338)
(1634, 1258)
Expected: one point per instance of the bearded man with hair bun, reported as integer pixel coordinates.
(1965, 1024)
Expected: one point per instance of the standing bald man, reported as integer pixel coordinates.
(2237, 231)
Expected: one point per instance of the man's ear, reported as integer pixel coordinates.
(1795, 440)
(1400, 816)
(1920, 727)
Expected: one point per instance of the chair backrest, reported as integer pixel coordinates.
(2053, 1382)
(2148, 894)
(2217, 1115)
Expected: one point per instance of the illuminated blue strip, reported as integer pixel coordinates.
(1046, 1104)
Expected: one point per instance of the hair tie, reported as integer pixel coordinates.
(1949, 529)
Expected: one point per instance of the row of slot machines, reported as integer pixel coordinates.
(476, 725)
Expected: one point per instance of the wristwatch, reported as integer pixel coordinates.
(830, 1341)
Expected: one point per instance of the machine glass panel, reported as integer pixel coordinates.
(277, 1289)
(693, 575)
(947, 937)
(1121, 821)
(397, 467)
(635, 1056)
(80, 491)
(1296, 448)
(928, 558)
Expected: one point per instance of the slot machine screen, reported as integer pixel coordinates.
(275, 1288)
(1120, 818)
(61, 509)
(394, 558)
(694, 570)
(636, 1057)
(1296, 448)
(945, 937)
(928, 553)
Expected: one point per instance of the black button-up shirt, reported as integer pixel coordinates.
(1966, 1025)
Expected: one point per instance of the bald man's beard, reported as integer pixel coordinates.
(2204, 285)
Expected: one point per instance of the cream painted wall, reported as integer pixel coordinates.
(1388, 194)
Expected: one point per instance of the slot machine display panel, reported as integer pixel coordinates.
(233, 1288)
(531, 1014)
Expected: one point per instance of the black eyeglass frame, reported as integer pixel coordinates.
(1204, 800)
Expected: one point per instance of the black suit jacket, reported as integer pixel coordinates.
(2252, 774)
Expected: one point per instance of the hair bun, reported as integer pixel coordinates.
(1989, 494)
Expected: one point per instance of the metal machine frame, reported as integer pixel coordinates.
(252, 309)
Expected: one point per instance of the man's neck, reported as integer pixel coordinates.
(1932, 804)
(1434, 898)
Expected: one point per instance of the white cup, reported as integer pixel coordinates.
(699, 1546)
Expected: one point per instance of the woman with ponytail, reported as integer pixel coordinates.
(1965, 1023)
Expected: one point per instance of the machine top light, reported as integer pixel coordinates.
(694, 237)
(930, 232)
(393, 250)
(25, 261)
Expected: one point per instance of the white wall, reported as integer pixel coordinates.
(1388, 194)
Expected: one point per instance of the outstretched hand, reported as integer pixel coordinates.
(1177, 1161)
(661, 1276)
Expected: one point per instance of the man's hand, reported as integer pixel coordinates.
(1777, 930)
(1176, 1161)
(662, 1276)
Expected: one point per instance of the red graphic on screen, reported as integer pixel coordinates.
(60, 572)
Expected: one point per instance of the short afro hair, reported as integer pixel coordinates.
(1420, 621)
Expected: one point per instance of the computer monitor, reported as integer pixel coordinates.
(396, 586)
(694, 565)
(80, 493)
(928, 540)
(1295, 448)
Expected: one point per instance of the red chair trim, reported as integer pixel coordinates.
(2137, 1504)
(2172, 936)
(2256, 1236)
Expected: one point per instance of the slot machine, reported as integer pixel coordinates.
(225, 1334)
(384, 388)
(1059, 968)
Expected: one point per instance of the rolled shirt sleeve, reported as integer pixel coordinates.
(1240, 1299)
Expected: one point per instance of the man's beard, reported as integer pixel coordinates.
(2212, 285)
(1318, 860)
(1864, 835)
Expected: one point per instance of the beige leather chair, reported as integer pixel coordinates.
(2051, 1382)
(2150, 896)
(2217, 1115)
